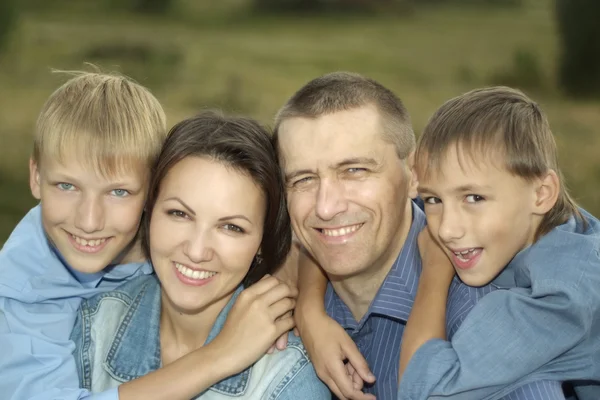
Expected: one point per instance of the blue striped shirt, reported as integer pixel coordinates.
(379, 333)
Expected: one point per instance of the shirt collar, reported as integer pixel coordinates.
(396, 295)
(133, 341)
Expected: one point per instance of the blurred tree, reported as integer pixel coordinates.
(579, 31)
(330, 5)
(152, 6)
(8, 18)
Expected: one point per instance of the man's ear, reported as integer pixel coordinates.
(34, 179)
(546, 192)
(413, 182)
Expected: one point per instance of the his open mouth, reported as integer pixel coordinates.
(340, 231)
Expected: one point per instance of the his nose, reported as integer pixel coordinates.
(451, 226)
(330, 200)
(198, 248)
(89, 216)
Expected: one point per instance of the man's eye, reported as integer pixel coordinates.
(302, 181)
(355, 170)
(120, 193)
(65, 186)
(474, 198)
(432, 200)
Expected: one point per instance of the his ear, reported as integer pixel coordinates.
(413, 182)
(546, 192)
(34, 179)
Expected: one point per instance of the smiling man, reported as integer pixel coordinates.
(346, 146)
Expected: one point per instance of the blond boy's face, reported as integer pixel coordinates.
(481, 214)
(90, 219)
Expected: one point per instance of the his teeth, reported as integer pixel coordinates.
(340, 231)
(193, 274)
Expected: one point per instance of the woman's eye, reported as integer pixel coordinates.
(233, 228)
(177, 213)
(474, 198)
(120, 193)
(66, 186)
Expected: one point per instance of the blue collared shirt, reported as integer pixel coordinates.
(117, 337)
(543, 322)
(378, 334)
(39, 298)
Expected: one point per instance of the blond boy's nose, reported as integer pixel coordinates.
(90, 216)
(451, 227)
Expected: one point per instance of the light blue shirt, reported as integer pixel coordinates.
(378, 335)
(39, 299)
(543, 322)
(117, 337)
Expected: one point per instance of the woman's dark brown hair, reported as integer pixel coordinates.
(240, 143)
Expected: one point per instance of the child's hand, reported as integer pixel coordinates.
(435, 262)
(260, 315)
(329, 346)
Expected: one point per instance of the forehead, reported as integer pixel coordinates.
(209, 184)
(332, 138)
(130, 171)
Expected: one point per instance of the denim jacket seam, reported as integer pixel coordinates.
(117, 339)
(299, 365)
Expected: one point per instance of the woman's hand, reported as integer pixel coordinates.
(259, 316)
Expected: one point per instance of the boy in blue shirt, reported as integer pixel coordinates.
(497, 207)
(95, 141)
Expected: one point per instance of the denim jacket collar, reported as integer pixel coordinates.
(135, 350)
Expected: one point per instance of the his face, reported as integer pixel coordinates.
(347, 190)
(206, 228)
(90, 219)
(480, 213)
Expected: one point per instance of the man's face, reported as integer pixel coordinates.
(347, 190)
(91, 219)
(481, 214)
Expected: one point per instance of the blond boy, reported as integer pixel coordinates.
(95, 141)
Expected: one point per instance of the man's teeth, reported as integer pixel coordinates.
(193, 274)
(90, 243)
(341, 231)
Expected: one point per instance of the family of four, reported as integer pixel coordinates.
(455, 267)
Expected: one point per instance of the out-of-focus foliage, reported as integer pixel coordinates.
(525, 72)
(312, 6)
(8, 18)
(579, 31)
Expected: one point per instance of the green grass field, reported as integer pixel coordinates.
(205, 58)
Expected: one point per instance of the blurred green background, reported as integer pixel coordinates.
(249, 56)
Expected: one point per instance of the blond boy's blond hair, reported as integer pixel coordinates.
(106, 122)
(497, 123)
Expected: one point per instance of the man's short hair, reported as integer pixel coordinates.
(341, 91)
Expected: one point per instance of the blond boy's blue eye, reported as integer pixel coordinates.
(474, 198)
(66, 186)
(431, 200)
(120, 192)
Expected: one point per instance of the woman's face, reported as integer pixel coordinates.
(206, 228)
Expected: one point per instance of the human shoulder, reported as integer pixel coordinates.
(125, 293)
(27, 258)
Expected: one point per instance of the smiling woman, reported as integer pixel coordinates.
(215, 226)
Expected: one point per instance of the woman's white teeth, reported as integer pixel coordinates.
(192, 273)
(90, 243)
(341, 231)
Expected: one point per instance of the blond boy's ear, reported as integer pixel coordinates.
(412, 175)
(547, 191)
(34, 179)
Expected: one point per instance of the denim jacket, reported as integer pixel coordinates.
(117, 340)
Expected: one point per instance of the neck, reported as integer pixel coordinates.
(359, 290)
(182, 332)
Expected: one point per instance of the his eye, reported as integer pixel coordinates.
(177, 213)
(120, 192)
(473, 198)
(233, 228)
(432, 200)
(355, 170)
(67, 187)
(302, 181)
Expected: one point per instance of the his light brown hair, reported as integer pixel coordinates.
(488, 123)
(106, 122)
(342, 91)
